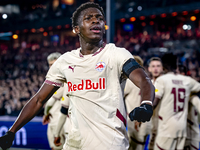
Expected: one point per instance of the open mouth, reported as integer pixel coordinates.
(96, 29)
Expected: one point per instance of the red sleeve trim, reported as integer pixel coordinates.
(53, 83)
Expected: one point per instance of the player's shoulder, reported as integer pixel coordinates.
(186, 78)
(162, 77)
(70, 54)
(171, 76)
(113, 47)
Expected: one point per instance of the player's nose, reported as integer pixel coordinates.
(95, 20)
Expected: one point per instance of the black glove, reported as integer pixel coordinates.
(142, 113)
(7, 140)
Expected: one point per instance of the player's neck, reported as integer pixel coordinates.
(90, 48)
(154, 79)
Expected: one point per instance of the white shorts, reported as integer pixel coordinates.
(191, 144)
(169, 143)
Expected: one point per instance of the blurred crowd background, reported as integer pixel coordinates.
(31, 30)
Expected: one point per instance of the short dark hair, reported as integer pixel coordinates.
(182, 69)
(84, 6)
(153, 59)
(169, 61)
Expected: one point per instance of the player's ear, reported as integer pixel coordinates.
(76, 29)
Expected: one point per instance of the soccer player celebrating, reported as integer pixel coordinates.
(93, 74)
(173, 91)
(155, 69)
(192, 139)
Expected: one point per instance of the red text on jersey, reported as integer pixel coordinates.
(87, 85)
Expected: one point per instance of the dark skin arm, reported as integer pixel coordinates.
(33, 106)
(141, 80)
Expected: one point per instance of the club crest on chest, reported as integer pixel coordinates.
(100, 66)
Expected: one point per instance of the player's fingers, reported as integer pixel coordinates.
(58, 144)
(50, 115)
(56, 140)
(137, 124)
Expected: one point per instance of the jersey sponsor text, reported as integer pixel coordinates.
(87, 85)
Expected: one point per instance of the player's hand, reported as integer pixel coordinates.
(46, 119)
(137, 125)
(7, 140)
(57, 141)
(142, 113)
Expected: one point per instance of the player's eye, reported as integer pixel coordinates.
(87, 18)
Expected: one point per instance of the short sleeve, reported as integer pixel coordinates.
(54, 76)
(195, 102)
(122, 55)
(195, 86)
(159, 87)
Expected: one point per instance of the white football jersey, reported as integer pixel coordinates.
(96, 111)
(174, 91)
(192, 119)
(54, 111)
(154, 118)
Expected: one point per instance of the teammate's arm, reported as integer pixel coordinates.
(195, 100)
(47, 108)
(49, 105)
(62, 119)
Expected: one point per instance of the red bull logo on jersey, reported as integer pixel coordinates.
(87, 85)
(100, 66)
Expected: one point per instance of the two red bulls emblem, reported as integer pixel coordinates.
(100, 66)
